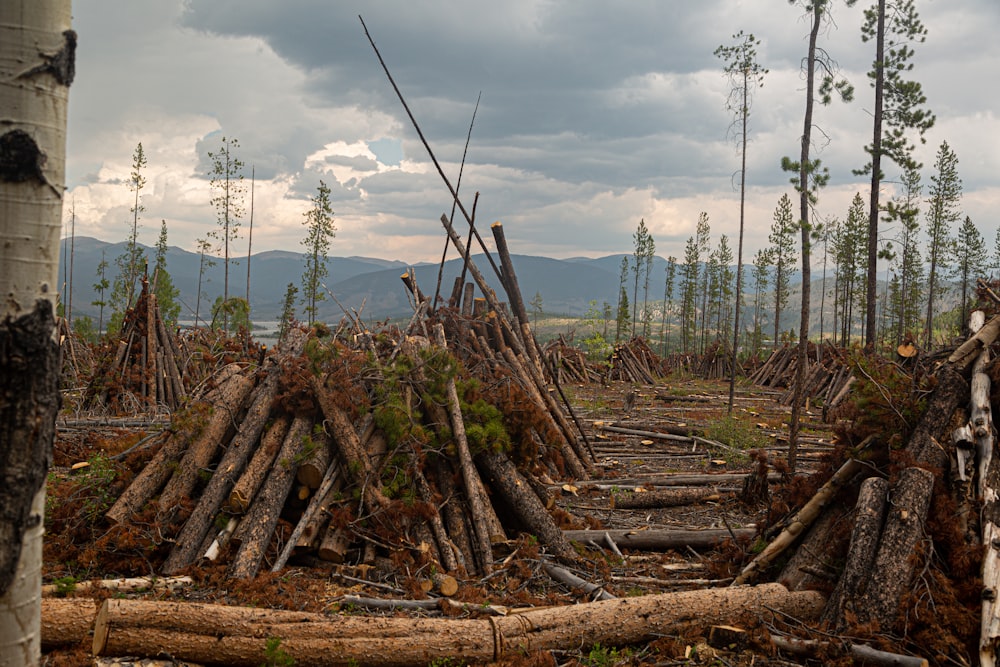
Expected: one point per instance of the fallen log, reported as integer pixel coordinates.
(255, 530)
(868, 523)
(663, 498)
(219, 635)
(662, 540)
(66, 621)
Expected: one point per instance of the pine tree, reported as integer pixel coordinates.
(782, 256)
(536, 307)
(761, 272)
(668, 300)
(205, 262)
(689, 292)
(745, 75)
(132, 262)
(808, 181)
(849, 244)
(227, 197)
(621, 324)
(287, 311)
(944, 197)
(970, 263)
(641, 240)
(163, 284)
(101, 287)
(319, 231)
(703, 238)
(906, 292)
(894, 25)
(647, 312)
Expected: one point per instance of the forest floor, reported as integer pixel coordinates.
(629, 463)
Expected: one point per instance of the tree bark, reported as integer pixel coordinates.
(226, 405)
(868, 522)
(505, 479)
(893, 565)
(216, 635)
(663, 498)
(662, 540)
(253, 476)
(37, 64)
(257, 527)
(67, 621)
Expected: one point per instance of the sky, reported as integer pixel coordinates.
(592, 115)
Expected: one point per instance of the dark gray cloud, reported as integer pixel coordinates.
(592, 114)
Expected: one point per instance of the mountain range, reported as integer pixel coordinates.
(365, 285)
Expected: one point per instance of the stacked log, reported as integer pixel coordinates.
(143, 374)
(828, 376)
(396, 448)
(634, 362)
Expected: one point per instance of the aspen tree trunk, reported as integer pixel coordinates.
(36, 68)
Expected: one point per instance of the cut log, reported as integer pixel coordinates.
(868, 522)
(257, 527)
(893, 567)
(505, 479)
(123, 585)
(66, 621)
(253, 476)
(225, 403)
(564, 576)
(663, 498)
(662, 540)
(219, 635)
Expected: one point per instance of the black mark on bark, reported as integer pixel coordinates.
(29, 404)
(20, 158)
(62, 65)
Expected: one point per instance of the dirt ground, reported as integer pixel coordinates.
(81, 547)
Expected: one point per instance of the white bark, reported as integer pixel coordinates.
(980, 427)
(34, 89)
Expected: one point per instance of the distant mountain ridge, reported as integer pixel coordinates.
(367, 285)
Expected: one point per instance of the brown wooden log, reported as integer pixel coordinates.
(67, 621)
(316, 461)
(219, 635)
(455, 519)
(663, 498)
(505, 479)
(662, 539)
(473, 485)
(313, 517)
(349, 446)
(232, 464)
(445, 546)
(253, 476)
(255, 530)
(797, 524)
(226, 406)
(334, 546)
(201, 451)
(951, 392)
(868, 521)
(893, 566)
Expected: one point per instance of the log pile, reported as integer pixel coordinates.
(634, 361)
(144, 372)
(570, 363)
(405, 447)
(828, 376)
(911, 509)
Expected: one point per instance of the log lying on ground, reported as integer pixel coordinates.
(662, 540)
(67, 621)
(219, 635)
(663, 498)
